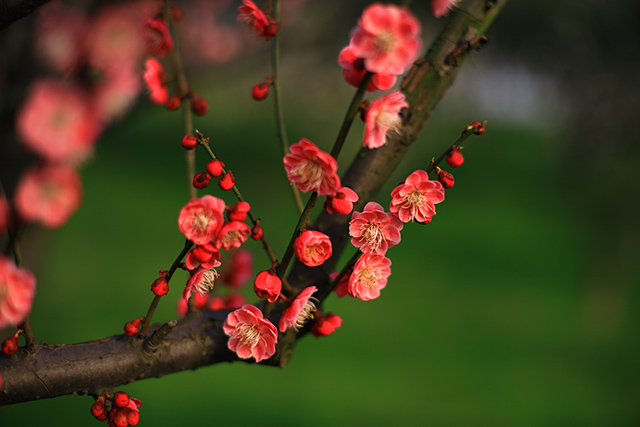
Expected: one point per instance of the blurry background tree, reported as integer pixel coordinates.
(515, 303)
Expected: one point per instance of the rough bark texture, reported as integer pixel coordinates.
(98, 366)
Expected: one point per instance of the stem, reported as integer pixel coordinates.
(277, 99)
(154, 304)
(351, 114)
(439, 160)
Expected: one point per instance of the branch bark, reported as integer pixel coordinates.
(99, 366)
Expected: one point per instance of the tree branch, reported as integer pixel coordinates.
(97, 367)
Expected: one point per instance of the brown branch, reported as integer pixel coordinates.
(99, 366)
(12, 10)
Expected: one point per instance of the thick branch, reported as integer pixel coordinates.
(100, 366)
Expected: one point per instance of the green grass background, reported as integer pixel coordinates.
(488, 318)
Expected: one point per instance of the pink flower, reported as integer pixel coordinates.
(232, 235)
(342, 287)
(369, 275)
(341, 202)
(353, 71)
(250, 334)
(324, 325)
(387, 38)
(238, 212)
(202, 282)
(312, 248)
(48, 194)
(267, 285)
(374, 230)
(60, 35)
(58, 123)
(311, 169)
(155, 78)
(383, 116)
(255, 18)
(17, 289)
(207, 255)
(300, 310)
(115, 94)
(238, 268)
(200, 219)
(157, 36)
(441, 7)
(416, 197)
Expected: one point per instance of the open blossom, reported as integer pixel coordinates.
(58, 122)
(254, 17)
(267, 285)
(17, 289)
(157, 36)
(341, 202)
(312, 248)
(202, 282)
(387, 37)
(416, 197)
(324, 325)
(374, 230)
(300, 310)
(369, 275)
(312, 169)
(156, 80)
(48, 194)
(441, 7)
(115, 94)
(383, 116)
(353, 71)
(207, 256)
(232, 235)
(60, 35)
(250, 334)
(200, 219)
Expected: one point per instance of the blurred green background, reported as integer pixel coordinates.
(516, 306)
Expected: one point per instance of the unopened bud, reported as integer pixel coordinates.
(174, 103)
(214, 167)
(256, 231)
(455, 158)
(260, 91)
(199, 106)
(201, 180)
(446, 179)
(189, 142)
(227, 181)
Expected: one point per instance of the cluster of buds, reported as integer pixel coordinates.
(123, 410)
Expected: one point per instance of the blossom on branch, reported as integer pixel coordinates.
(374, 230)
(312, 169)
(250, 334)
(300, 310)
(387, 37)
(325, 324)
(416, 197)
(232, 235)
(353, 71)
(48, 194)
(157, 37)
(382, 117)
(267, 285)
(312, 248)
(341, 202)
(202, 282)
(17, 289)
(200, 219)
(156, 80)
(252, 16)
(369, 275)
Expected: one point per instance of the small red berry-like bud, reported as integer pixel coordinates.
(10, 345)
(201, 180)
(98, 409)
(256, 231)
(189, 142)
(238, 212)
(214, 167)
(455, 158)
(174, 103)
(160, 286)
(227, 181)
(121, 399)
(476, 127)
(132, 416)
(446, 179)
(260, 91)
(118, 418)
(133, 327)
(200, 106)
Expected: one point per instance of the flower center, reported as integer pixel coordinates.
(305, 314)
(372, 234)
(201, 221)
(386, 41)
(368, 278)
(248, 333)
(208, 281)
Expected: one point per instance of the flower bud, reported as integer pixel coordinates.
(476, 127)
(214, 167)
(160, 286)
(199, 106)
(133, 327)
(121, 399)
(227, 181)
(189, 142)
(10, 345)
(446, 179)
(256, 231)
(455, 158)
(260, 91)
(98, 409)
(238, 212)
(201, 180)
(267, 285)
(174, 103)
